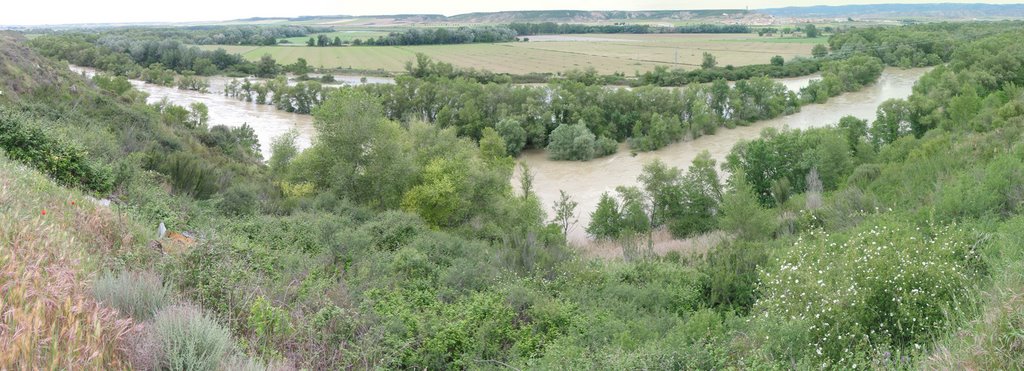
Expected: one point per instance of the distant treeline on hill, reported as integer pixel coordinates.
(441, 35)
(494, 34)
(551, 28)
(207, 35)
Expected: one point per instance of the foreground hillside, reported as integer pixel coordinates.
(896, 243)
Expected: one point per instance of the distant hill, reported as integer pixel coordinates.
(557, 16)
(898, 11)
(584, 16)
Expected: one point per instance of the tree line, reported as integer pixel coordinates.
(573, 120)
(551, 28)
(130, 57)
(206, 35)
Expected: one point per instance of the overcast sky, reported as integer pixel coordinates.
(32, 12)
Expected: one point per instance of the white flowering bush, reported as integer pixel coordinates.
(880, 288)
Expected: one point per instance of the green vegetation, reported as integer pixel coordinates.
(24, 140)
(189, 339)
(139, 295)
(396, 241)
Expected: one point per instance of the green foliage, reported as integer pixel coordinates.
(996, 190)
(283, 150)
(701, 199)
(438, 199)
(571, 142)
(881, 287)
(840, 76)
(189, 175)
(25, 141)
(513, 134)
(392, 229)
(709, 61)
(268, 322)
(240, 200)
(358, 153)
(190, 339)
(742, 214)
(137, 294)
(819, 51)
(732, 270)
(605, 220)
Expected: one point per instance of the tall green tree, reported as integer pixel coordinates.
(358, 153)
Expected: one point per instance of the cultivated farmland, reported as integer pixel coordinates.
(606, 53)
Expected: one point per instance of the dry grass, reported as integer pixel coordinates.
(664, 243)
(51, 242)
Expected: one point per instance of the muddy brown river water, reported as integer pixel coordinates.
(267, 121)
(585, 181)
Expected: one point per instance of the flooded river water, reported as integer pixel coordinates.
(267, 121)
(586, 181)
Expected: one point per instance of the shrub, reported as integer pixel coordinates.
(189, 339)
(62, 161)
(883, 287)
(393, 229)
(732, 271)
(241, 199)
(571, 142)
(190, 175)
(137, 294)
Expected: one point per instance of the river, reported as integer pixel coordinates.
(267, 121)
(586, 181)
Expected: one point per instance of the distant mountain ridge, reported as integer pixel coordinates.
(896, 11)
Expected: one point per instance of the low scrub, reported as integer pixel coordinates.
(137, 294)
(190, 339)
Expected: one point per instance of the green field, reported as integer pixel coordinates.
(605, 53)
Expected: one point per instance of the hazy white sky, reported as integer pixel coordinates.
(29, 12)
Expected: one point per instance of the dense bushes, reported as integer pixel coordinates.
(123, 56)
(23, 140)
(663, 76)
(842, 76)
(880, 287)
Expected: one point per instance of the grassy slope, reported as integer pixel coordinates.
(54, 241)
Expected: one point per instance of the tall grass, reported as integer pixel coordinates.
(995, 339)
(48, 317)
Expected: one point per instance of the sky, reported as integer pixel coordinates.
(38, 12)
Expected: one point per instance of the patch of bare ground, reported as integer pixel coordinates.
(662, 244)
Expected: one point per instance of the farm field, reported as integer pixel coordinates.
(344, 35)
(606, 53)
